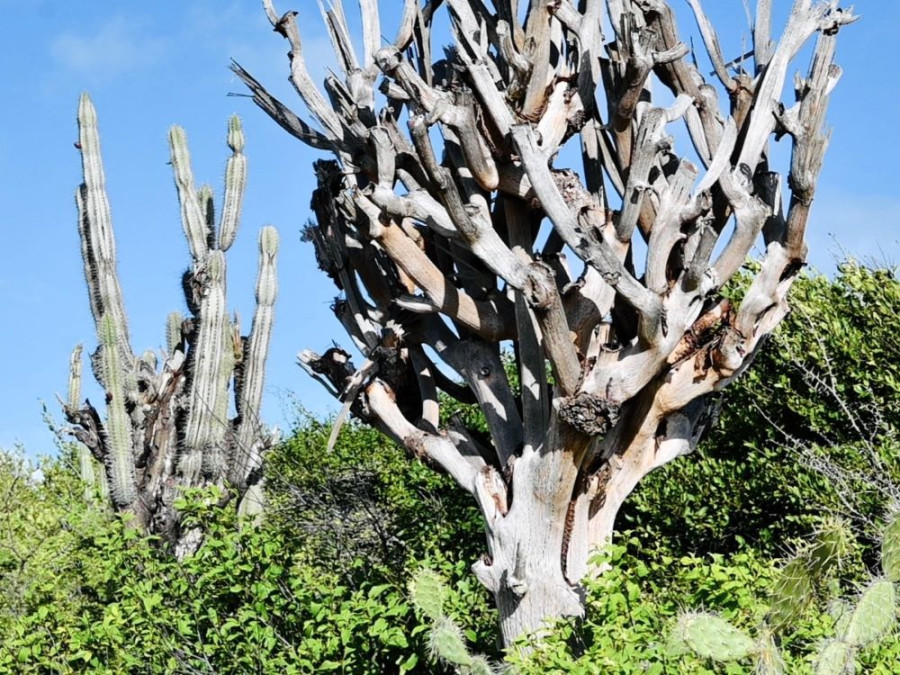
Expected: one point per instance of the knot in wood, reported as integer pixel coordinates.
(540, 285)
(589, 414)
(387, 59)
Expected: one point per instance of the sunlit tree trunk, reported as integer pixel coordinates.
(450, 230)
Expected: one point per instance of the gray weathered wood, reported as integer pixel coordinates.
(449, 227)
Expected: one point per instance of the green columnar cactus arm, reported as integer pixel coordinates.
(192, 215)
(174, 323)
(95, 226)
(235, 183)
(87, 253)
(117, 438)
(208, 211)
(213, 355)
(249, 397)
(73, 398)
(75, 368)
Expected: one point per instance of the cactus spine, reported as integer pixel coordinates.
(445, 639)
(167, 425)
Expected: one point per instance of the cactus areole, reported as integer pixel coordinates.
(452, 232)
(166, 425)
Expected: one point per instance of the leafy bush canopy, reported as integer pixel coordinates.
(323, 584)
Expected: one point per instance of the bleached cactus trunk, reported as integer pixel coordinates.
(167, 427)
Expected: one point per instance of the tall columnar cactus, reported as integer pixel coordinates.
(166, 426)
(857, 625)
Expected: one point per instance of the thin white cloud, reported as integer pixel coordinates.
(119, 46)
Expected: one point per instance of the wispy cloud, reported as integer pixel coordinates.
(117, 47)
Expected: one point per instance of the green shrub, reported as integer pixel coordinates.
(90, 594)
(823, 392)
(633, 610)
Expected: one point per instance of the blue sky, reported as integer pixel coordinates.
(150, 65)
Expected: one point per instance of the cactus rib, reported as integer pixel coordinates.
(119, 458)
(95, 226)
(192, 215)
(205, 429)
(75, 367)
(249, 397)
(235, 183)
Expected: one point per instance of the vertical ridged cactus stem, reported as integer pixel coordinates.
(95, 228)
(249, 397)
(192, 215)
(208, 211)
(117, 437)
(85, 461)
(212, 351)
(75, 368)
(235, 182)
(215, 460)
(174, 338)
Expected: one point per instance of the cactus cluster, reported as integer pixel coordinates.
(857, 625)
(167, 423)
(445, 638)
